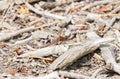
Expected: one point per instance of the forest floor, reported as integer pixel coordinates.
(64, 39)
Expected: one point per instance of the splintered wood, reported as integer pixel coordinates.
(77, 52)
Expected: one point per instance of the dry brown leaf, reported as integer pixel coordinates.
(84, 28)
(18, 51)
(1, 17)
(12, 72)
(2, 44)
(23, 70)
(72, 10)
(101, 28)
(104, 8)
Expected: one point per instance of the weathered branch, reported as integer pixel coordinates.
(107, 53)
(7, 36)
(57, 49)
(74, 75)
(77, 52)
(95, 3)
(44, 13)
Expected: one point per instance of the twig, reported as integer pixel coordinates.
(95, 4)
(117, 32)
(21, 1)
(57, 49)
(73, 75)
(33, 37)
(96, 72)
(22, 41)
(7, 36)
(53, 75)
(44, 13)
(54, 41)
(8, 9)
(98, 57)
(108, 55)
(115, 10)
(109, 25)
(33, 22)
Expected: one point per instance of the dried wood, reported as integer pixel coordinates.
(8, 7)
(115, 10)
(107, 53)
(53, 75)
(74, 75)
(57, 49)
(61, 2)
(117, 32)
(96, 72)
(77, 52)
(96, 3)
(109, 25)
(43, 13)
(21, 1)
(4, 4)
(49, 5)
(35, 36)
(6, 36)
(22, 41)
(25, 46)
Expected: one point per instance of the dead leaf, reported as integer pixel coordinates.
(2, 44)
(101, 28)
(23, 70)
(72, 10)
(84, 28)
(18, 51)
(105, 8)
(62, 38)
(1, 17)
(12, 72)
